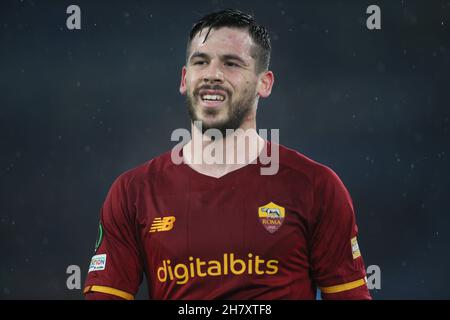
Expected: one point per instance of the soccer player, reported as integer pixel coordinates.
(225, 230)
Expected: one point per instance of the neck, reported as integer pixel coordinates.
(220, 155)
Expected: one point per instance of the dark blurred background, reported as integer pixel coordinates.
(77, 108)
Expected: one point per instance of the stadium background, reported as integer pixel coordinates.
(77, 108)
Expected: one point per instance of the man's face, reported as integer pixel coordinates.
(219, 79)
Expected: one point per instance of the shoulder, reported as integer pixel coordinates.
(145, 171)
(296, 163)
(328, 192)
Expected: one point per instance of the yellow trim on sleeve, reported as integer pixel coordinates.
(344, 287)
(109, 290)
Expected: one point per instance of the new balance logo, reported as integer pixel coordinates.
(162, 224)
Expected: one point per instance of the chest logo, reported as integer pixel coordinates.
(162, 224)
(271, 216)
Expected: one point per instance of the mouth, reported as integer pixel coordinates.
(212, 98)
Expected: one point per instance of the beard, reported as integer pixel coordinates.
(236, 111)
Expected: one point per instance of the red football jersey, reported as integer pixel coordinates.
(241, 236)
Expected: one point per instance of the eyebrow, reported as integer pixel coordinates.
(233, 57)
(198, 55)
(224, 57)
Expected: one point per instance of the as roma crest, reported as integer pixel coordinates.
(271, 216)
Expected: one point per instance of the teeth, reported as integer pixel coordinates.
(213, 97)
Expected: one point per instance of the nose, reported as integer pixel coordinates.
(213, 73)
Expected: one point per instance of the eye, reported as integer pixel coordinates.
(231, 64)
(199, 62)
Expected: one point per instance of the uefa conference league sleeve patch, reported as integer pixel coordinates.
(98, 261)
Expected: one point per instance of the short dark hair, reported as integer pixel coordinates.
(237, 19)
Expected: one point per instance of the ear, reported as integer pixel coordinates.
(265, 84)
(183, 88)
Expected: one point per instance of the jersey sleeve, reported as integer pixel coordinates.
(116, 267)
(336, 262)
